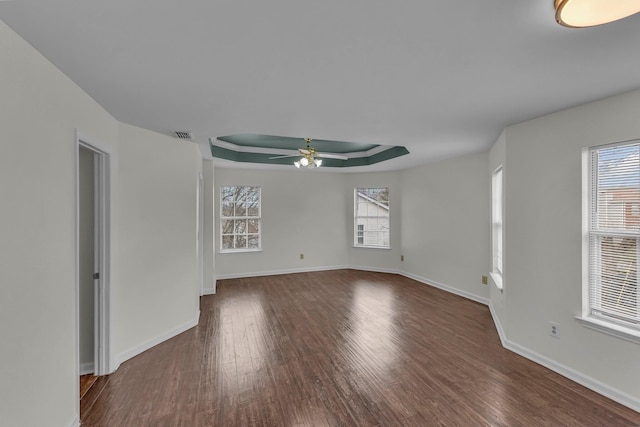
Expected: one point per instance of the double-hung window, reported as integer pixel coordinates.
(240, 221)
(496, 226)
(371, 217)
(613, 236)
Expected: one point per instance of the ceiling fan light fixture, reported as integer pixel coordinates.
(589, 13)
(308, 159)
(308, 162)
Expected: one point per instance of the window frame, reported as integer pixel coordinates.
(497, 227)
(246, 217)
(361, 233)
(594, 318)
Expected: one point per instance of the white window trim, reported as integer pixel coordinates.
(221, 218)
(497, 274)
(610, 328)
(237, 251)
(355, 225)
(603, 325)
(497, 280)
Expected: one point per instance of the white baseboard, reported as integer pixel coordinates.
(75, 421)
(465, 294)
(374, 269)
(210, 291)
(578, 377)
(126, 355)
(567, 372)
(277, 272)
(86, 368)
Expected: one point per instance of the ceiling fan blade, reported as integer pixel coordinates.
(304, 151)
(282, 157)
(331, 156)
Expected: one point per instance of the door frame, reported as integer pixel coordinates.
(200, 232)
(102, 253)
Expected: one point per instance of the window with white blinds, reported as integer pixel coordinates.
(614, 233)
(496, 221)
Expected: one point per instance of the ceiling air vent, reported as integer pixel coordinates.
(180, 134)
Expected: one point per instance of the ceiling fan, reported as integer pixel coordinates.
(310, 157)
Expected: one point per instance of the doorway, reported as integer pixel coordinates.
(93, 259)
(87, 241)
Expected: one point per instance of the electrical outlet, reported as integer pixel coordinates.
(485, 280)
(301, 256)
(401, 257)
(554, 330)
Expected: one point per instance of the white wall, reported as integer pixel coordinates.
(154, 279)
(543, 242)
(309, 212)
(156, 286)
(302, 212)
(445, 224)
(40, 108)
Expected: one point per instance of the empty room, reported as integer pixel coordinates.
(327, 213)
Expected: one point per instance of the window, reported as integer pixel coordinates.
(240, 225)
(614, 232)
(371, 212)
(496, 226)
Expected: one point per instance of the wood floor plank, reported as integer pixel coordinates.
(86, 382)
(340, 348)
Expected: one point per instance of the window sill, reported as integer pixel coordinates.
(497, 280)
(372, 247)
(610, 328)
(238, 251)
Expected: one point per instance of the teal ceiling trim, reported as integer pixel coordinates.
(391, 153)
(246, 156)
(289, 143)
(388, 154)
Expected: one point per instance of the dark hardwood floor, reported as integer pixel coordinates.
(86, 381)
(340, 348)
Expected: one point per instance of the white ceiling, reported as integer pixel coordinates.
(441, 78)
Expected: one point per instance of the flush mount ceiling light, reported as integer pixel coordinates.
(588, 13)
